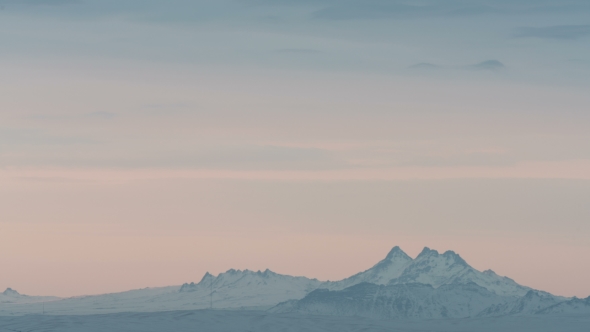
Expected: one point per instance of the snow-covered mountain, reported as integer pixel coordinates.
(432, 285)
(430, 268)
(233, 289)
(236, 288)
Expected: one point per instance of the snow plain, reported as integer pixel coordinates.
(260, 321)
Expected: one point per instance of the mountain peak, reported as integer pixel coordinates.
(396, 251)
(10, 291)
(391, 267)
(268, 272)
(455, 256)
(427, 252)
(207, 276)
(186, 287)
(449, 254)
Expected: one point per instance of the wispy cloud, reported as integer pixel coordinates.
(11, 138)
(484, 65)
(425, 66)
(100, 115)
(554, 32)
(529, 170)
(381, 9)
(298, 51)
(488, 65)
(371, 10)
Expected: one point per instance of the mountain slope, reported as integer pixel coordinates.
(423, 301)
(381, 273)
(413, 301)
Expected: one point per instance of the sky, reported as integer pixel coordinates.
(144, 143)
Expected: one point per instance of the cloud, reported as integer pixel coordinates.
(425, 66)
(17, 137)
(554, 32)
(371, 10)
(488, 65)
(580, 61)
(485, 65)
(388, 9)
(100, 115)
(298, 51)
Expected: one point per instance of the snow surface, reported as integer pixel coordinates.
(259, 321)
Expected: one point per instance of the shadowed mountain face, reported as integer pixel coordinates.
(573, 306)
(413, 300)
(420, 301)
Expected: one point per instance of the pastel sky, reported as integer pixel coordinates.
(144, 142)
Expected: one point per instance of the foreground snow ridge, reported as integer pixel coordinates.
(430, 286)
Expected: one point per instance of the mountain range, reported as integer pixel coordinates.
(432, 285)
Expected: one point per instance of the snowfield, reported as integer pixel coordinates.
(259, 321)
